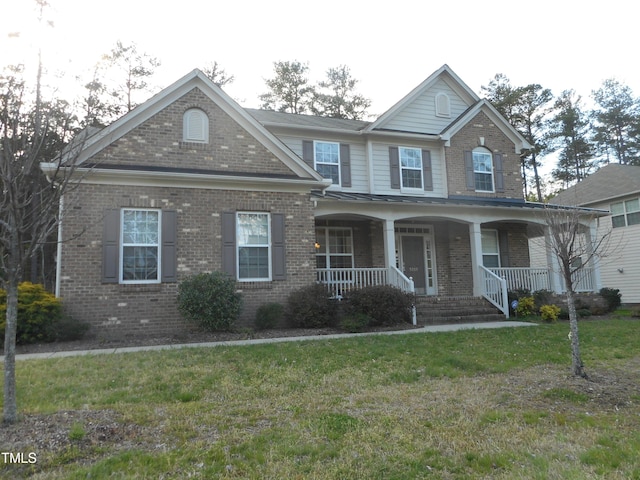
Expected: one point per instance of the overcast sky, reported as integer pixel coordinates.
(390, 47)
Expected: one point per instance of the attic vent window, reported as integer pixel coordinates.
(195, 126)
(443, 105)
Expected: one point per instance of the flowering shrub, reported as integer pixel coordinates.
(550, 313)
(526, 306)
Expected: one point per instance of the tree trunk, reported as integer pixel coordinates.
(577, 368)
(10, 409)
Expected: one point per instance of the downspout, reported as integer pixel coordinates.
(59, 246)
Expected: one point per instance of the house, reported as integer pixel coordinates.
(616, 189)
(428, 198)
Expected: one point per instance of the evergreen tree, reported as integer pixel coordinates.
(289, 91)
(568, 131)
(617, 123)
(341, 101)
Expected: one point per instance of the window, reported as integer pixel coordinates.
(140, 242)
(624, 214)
(490, 249)
(253, 246)
(195, 126)
(443, 105)
(483, 170)
(411, 167)
(327, 160)
(334, 247)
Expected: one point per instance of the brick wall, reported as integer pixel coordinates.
(117, 309)
(497, 142)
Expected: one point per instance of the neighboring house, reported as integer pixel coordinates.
(428, 198)
(615, 188)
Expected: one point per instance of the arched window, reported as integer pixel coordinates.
(195, 126)
(443, 105)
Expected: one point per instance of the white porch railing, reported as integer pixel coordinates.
(583, 280)
(494, 289)
(341, 280)
(532, 279)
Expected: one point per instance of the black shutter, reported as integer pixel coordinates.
(279, 265)
(229, 243)
(169, 246)
(426, 170)
(345, 165)
(394, 165)
(499, 169)
(111, 246)
(468, 167)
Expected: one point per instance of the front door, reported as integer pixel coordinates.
(413, 261)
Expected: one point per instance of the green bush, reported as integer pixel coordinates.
(612, 296)
(550, 313)
(39, 312)
(583, 312)
(311, 307)
(269, 315)
(542, 297)
(526, 306)
(383, 304)
(354, 323)
(210, 300)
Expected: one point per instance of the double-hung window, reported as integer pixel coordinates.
(624, 214)
(140, 246)
(327, 160)
(253, 246)
(334, 247)
(411, 167)
(483, 170)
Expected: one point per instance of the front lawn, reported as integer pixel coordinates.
(468, 404)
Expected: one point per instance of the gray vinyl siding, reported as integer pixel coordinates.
(420, 115)
(382, 172)
(359, 173)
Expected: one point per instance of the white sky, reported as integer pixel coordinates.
(390, 47)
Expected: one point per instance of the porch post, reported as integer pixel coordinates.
(595, 264)
(555, 282)
(389, 236)
(475, 241)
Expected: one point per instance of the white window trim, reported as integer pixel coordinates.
(239, 246)
(327, 254)
(496, 254)
(339, 164)
(493, 180)
(186, 124)
(411, 189)
(625, 214)
(122, 245)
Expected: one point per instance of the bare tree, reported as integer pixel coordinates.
(30, 131)
(217, 74)
(576, 250)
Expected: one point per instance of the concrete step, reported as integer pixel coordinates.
(452, 310)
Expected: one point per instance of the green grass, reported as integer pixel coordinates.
(469, 404)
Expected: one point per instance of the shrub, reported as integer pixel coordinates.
(526, 306)
(355, 322)
(583, 312)
(39, 312)
(311, 307)
(612, 296)
(542, 297)
(210, 300)
(269, 315)
(550, 313)
(383, 304)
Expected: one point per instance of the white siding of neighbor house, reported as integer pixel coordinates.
(359, 171)
(622, 252)
(382, 170)
(420, 115)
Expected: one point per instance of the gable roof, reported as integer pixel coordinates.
(445, 71)
(496, 117)
(195, 79)
(610, 182)
(271, 118)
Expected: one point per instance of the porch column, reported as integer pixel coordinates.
(475, 242)
(555, 281)
(595, 260)
(389, 236)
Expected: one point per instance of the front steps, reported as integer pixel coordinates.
(434, 310)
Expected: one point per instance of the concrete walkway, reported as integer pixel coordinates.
(258, 341)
